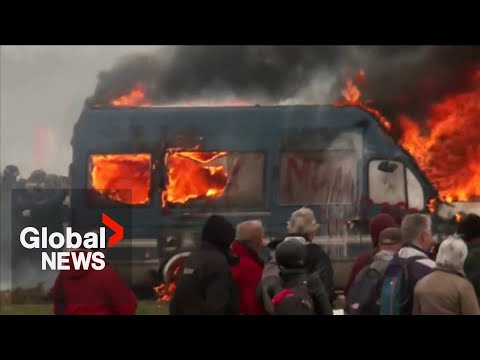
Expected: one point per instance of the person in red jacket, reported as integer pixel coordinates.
(92, 292)
(247, 273)
(377, 224)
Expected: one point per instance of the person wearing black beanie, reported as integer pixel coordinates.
(206, 286)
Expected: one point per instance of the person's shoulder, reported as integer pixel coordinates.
(424, 281)
(464, 285)
(426, 262)
(316, 249)
(363, 259)
(214, 259)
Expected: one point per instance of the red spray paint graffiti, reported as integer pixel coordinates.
(330, 180)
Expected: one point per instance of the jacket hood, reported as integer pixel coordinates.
(232, 259)
(219, 232)
(384, 255)
(448, 270)
(73, 273)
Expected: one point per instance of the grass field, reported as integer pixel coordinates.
(144, 308)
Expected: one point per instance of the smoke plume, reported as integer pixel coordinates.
(400, 79)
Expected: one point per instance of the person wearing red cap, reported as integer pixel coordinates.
(377, 224)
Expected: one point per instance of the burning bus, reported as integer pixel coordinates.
(161, 171)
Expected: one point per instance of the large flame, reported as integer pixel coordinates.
(448, 153)
(122, 177)
(165, 291)
(136, 97)
(352, 95)
(189, 178)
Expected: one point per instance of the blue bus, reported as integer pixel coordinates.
(179, 165)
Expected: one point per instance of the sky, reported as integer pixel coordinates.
(42, 92)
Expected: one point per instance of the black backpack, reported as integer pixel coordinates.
(364, 295)
(294, 301)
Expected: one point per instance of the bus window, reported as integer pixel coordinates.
(386, 182)
(223, 179)
(121, 178)
(415, 194)
(318, 177)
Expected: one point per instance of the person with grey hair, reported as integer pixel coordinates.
(409, 265)
(301, 227)
(247, 273)
(446, 291)
(302, 223)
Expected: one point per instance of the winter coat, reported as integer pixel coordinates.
(360, 263)
(317, 263)
(381, 260)
(444, 292)
(92, 292)
(247, 275)
(206, 286)
(377, 224)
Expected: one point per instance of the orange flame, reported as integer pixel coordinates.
(165, 292)
(352, 95)
(431, 205)
(136, 97)
(122, 178)
(189, 178)
(449, 153)
(458, 218)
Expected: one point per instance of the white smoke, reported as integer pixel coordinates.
(44, 88)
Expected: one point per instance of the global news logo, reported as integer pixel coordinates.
(66, 259)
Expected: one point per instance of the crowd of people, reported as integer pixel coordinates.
(37, 201)
(404, 274)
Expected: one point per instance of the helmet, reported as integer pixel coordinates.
(290, 253)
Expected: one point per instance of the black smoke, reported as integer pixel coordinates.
(400, 79)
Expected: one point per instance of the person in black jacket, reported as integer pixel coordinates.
(302, 225)
(206, 286)
(301, 294)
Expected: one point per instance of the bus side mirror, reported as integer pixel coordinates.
(387, 167)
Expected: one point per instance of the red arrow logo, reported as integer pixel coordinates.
(116, 227)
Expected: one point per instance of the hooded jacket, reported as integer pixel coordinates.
(92, 292)
(377, 225)
(206, 285)
(247, 275)
(445, 292)
(317, 264)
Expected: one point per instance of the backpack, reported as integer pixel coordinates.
(364, 295)
(294, 301)
(396, 292)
